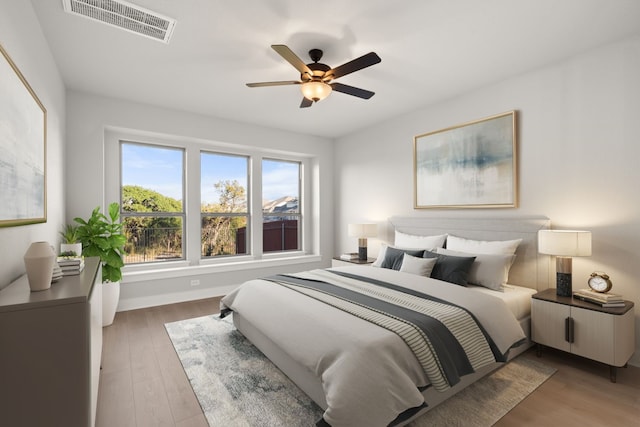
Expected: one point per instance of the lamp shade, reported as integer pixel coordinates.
(315, 90)
(566, 243)
(363, 230)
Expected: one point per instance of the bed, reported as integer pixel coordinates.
(363, 374)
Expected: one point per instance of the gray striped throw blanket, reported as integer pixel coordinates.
(445, 338)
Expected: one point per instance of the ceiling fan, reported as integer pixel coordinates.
(316, 78)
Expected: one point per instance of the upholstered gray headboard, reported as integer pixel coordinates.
(530, 269)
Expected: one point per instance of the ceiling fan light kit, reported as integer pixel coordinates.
(315, 91)
(316, 78)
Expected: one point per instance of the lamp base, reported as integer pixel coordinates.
(563, 284)
(362, 249)
(362, 253)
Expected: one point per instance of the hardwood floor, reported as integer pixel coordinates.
(142, 381)
(579, 394)
(143, 384)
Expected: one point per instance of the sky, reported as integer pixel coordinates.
(160, 169)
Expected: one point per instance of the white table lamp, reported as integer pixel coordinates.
(362, 231)
(564, 244)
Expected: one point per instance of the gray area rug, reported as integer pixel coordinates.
(237, 385)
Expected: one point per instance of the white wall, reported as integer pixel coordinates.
(578, 149)
(578, 159)
(21, 37)
(90, 115)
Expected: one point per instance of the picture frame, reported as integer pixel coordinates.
(23, 149)
(471, 165)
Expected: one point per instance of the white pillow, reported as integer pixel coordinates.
(488, 270)
(410, 241)
(380, 258)
(506, 247)
(420, 266)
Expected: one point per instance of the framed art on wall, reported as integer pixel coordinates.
(23, 124)
(472, 165)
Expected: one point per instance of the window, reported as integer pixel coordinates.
(152, 210)
(224, 210)
(188, 203)
(281, 219)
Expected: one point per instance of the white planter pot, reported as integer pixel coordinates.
(38, 261)
(71, 247)
(110, 298)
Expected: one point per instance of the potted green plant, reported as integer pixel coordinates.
(101, 236)
(70, 245)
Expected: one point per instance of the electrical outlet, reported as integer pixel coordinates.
(195, 282)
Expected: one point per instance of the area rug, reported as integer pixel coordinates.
(237, 385)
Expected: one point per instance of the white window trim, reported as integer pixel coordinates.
(193, 264)
(131, 275)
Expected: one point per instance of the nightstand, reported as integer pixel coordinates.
(337, 262)
(603, 334)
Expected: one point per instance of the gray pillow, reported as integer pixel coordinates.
(393, 257)
(452, 269)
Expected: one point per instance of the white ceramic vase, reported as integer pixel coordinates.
(39, 260)
(110, 298)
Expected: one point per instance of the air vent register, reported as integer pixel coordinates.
(124, 15)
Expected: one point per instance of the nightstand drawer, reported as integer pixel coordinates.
(547, 324)
(603, 337)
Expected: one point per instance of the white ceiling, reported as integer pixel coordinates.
(431, 50)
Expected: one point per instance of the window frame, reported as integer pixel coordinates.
(246, 214)
(182, 214)
(297, 214)
(193, 264)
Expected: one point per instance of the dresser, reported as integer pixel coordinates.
(50, 351)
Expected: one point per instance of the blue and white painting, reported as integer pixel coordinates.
(22, 149)
(471, 165)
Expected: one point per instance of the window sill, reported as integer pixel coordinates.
(183, 269)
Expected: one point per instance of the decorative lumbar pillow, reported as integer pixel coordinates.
(382, 255)
(410, 241)
(488, 270)
(507, 247)
(452, 269)
(393, 257)
(419, 266)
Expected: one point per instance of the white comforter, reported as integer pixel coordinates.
(369, 375)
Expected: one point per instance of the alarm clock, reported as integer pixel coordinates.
(599, 282)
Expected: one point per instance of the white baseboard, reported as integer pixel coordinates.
(127, 304)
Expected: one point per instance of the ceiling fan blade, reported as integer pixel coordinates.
(283, 83)
(306, 103)
(350, 90)
(357, 64)
(292, 58)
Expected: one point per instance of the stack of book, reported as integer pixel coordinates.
(605, 300)
(71, 265)
(350, 256)
(57, 273)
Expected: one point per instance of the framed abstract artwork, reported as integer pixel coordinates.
(472, 165)
(23, 147)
